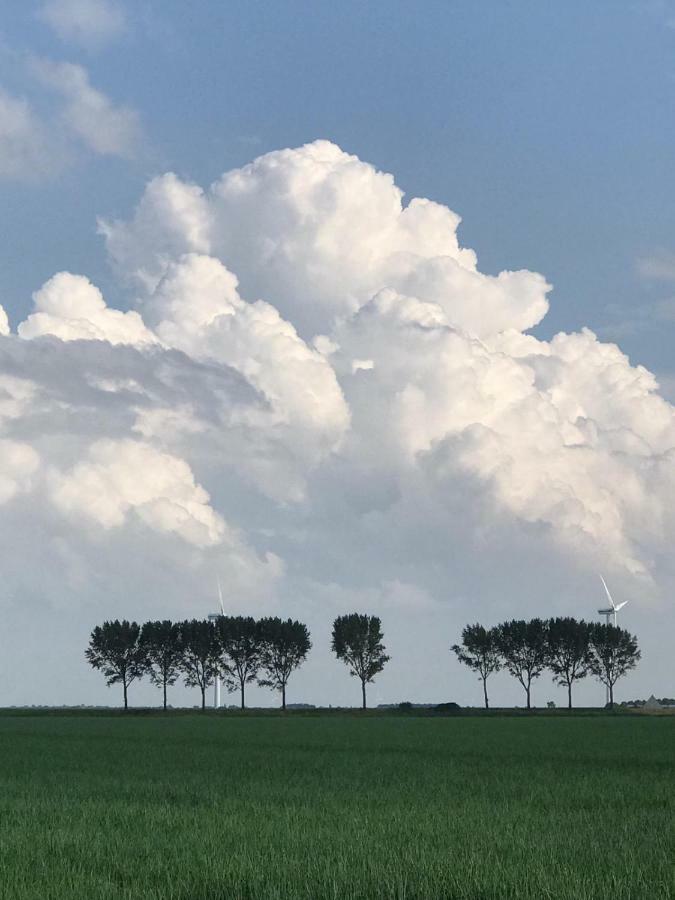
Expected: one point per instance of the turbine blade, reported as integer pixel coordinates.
(220, 597)
(620, 605)
(607, 592)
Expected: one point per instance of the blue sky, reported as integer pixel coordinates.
(426, 458)
(550, 128)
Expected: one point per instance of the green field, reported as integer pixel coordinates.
(199, 808)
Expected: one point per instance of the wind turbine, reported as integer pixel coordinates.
(213, 617)
(613, 608)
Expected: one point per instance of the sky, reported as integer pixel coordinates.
(356, 307)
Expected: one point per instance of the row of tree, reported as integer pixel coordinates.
(241, 650)
(568, 648)
(238, 649)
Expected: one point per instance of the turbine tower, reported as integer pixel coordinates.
(213, 617)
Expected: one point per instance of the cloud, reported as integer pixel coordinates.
(88, 114)
(630, 320)
(319, 396)
(27, 151)
(89, 23)
(658, 267)
(4, 322)
(196, 308)
(19, 463)
(416, 329)
(71, 308)
(106, 487)
(318, 223)
(36, 145)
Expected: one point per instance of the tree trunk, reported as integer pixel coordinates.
(569, 695)
(203, 689)
(165, 695)
(283, 697)
(363, 693)
(243, 704)
(527, 691)
(487, 705)
(126, 705)
(611, 695)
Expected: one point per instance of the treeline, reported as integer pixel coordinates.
(240, 650)
(570, 649)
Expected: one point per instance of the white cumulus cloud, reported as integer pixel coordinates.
(316, 232)
(70, 307)
(120, 477)
(196, 308)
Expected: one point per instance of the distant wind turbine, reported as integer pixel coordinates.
(213, 617)
(613, 608)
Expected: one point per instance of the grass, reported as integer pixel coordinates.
(204, 808)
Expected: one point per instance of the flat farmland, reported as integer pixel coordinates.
(207, 807)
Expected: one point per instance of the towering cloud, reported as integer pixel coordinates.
(316, 232)
(319, 388)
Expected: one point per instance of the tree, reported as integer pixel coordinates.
(283, 648)
(357, 641)
(569, 652)
(199, 652)
(614, 652)
(160, 642)
(479, 651)
(114, 649)
(239, 638)
(523, 649)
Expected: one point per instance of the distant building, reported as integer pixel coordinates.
(653, 703)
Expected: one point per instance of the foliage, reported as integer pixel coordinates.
(479, 651)
(284, 646)
(114, 649)
(160, 643)
(614, 652)
(569, 652)
(199, 654)
(524, 650)
(357, 641)
(240, 648)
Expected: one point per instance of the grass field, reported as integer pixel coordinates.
(200, 808)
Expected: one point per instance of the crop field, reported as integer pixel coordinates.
(210, 807)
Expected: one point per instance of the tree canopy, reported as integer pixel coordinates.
(524, 651)
(569, 652)
(614, 652)
(239, 643)
(357, 641)
(284, 646)
(114, 649)
(479, 651)
(160, 644)
(199, 654)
